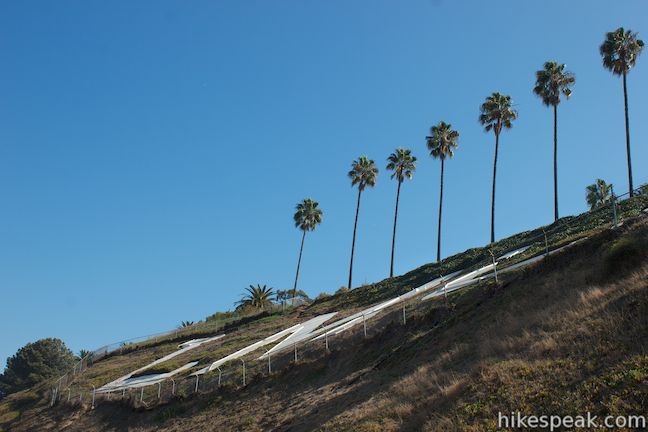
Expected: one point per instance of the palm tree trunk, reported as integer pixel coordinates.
(493, 197)
(555, 107)
(440, 209)
(301, 249)
(627, 125)
(355, 226)
(391, 267)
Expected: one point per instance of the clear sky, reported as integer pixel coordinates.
(152, 152)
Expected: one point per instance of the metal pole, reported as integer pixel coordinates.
(220, 373)
(295, 352)
(197, 379)
(404, 319)
(243, 361)
(269, 365)
(326, 340)
(142, 395)
(173, 388)
(494, 266)
(364, 325)
(123, 392)
(546, 242)
(159, 389)
(614, 209)
(94, 391)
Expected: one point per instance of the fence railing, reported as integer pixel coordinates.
(242, 372)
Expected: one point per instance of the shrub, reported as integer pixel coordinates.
(625, 255)
(36, 362)
(342, 290)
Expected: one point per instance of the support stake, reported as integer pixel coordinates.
(159, 389)
(614, 209)
(404, 319)
(173, 387)
(142, 395)
(326, 341)
(220, 374)
(364, 325)
(197, 380)
(243, 361)
(494, 266)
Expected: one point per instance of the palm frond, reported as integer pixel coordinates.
(307, 215)
(443, 141)
(620, 50)
(497, 112)
(363, 173)
(552, 81)
(402, 163)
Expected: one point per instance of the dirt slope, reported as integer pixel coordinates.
(567, 336)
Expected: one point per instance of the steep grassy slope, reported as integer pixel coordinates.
(566, 336)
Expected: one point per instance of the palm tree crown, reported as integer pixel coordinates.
(258, 296)
(443, 141)
(402, 163)
(620, 50)
(363, 173)
(598, 193)
(552, 81)
(497, 113)
(307, 215)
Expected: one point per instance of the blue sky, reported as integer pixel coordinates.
(152, 152)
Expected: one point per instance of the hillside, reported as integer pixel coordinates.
(566, 335)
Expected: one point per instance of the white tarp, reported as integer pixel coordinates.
(144, 381)
(183, 348)
(248, 349)
(513, 253)
(301, 334)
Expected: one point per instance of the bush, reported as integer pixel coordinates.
(342, 290)
(34, 363)
(322, 296)
(625, 255)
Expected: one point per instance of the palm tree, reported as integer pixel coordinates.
(84, 353)
(552, 81)
(442, 143)
(363, 173)
(403, 164)
(258, 297)
(496, 113)
(598, 194)
(307, 217)
(620, 51)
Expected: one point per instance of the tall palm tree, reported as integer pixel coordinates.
(259, 296)
(497, 113)
(620, 51)
(403, 164)
(598, 194)
(363, 173)
(552, 82)
(307, 216)
(442, 143)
